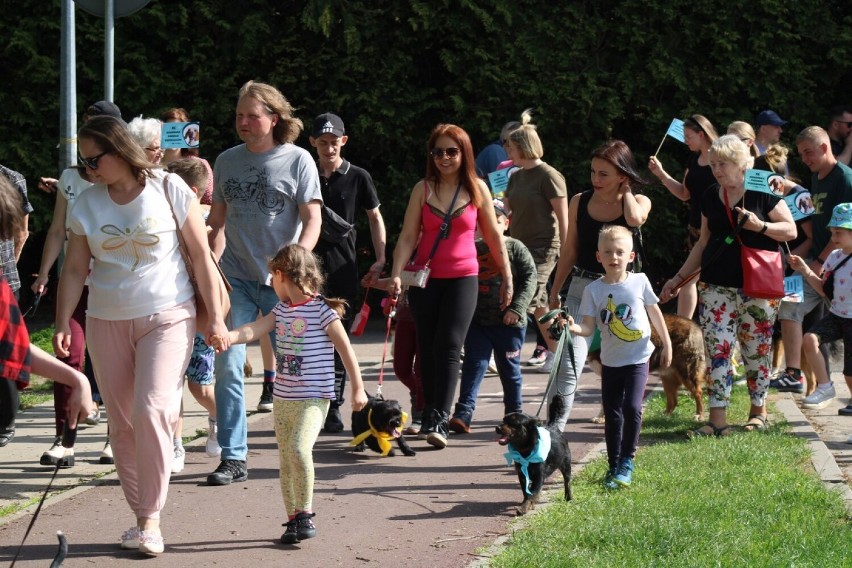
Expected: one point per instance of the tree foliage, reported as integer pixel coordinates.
(394, 68)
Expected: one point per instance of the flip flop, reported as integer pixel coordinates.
(756, 422)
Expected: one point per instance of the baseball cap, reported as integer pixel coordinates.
(841, 217)
(769, 117)
(500, 207)
(328, 123)
(103, 108)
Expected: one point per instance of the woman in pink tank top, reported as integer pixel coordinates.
(443, 309)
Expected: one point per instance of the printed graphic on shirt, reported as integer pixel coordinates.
(294, 339)
(255, 187)
(129, 245)
(618, 318)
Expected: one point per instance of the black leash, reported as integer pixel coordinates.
(558, 331)
(69, 437)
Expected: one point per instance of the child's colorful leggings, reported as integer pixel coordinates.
(726, 316)
(297, 426)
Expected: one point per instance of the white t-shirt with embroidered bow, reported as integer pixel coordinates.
(137, 269)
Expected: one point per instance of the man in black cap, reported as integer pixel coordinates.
(346, 189)
(769, 128)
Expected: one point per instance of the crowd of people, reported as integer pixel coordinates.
(142, 229)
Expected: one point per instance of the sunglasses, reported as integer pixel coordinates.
(91, 163)
(438, 153)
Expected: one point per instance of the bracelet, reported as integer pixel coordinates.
(681, 277)
(821, 261)
(765, 226)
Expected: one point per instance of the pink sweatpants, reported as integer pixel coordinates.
(142, 362)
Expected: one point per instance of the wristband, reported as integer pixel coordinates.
(765, 226)
(821, 261)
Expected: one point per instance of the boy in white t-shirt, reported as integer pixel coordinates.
(838, 323)
(623, 306)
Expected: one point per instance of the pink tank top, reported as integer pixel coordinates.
(455, 256)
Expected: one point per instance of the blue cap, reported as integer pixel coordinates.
(841, 217)
(769, 117)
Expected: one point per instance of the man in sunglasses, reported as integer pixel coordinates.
(840, 132)
(266, 194)
(346, 189)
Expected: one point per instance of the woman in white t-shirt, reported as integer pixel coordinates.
(141, 315)
(71, 184)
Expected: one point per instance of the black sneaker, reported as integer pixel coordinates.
(229, 471)
(6, 436)
(439, 436)
(788, 382)
(305, 528)
(427, 424)
(265, 404)
(846, 410)
(333, 422)
(290, 535)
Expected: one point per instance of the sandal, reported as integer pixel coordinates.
(756, 422)
(710, 430)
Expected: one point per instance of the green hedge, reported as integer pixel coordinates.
(394, 68)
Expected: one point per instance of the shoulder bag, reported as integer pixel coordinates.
(220, 282)
(417, 275)
(334, 229)
(763, 272)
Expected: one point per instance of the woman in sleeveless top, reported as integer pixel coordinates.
(698, 134)
(611, 201)
(444, 308)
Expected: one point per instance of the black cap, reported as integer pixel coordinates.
(328, 123)
(104, 108)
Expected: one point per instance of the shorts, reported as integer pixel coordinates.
(200, 369)
(796, 311)
(831, 328)
(545, 261)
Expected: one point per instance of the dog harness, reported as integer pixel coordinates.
(538, 455)
(383, 438)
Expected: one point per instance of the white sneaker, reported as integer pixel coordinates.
(106, 457)
(94, 417)
(820, 398)
(58, 455)
(849, 440)
(214, 450)
(548, 363)
(492, 366)
(179, 459)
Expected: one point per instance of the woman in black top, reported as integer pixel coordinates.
(611, 201)
(698, 134)
(726, 314)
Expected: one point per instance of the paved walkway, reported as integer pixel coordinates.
(437, 508)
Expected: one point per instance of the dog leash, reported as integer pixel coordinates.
(565, 342)
(69, 437)
(390, 311)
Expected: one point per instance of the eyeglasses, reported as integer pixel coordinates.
(846, 122)
(156, 150)
(91, 163)
(438, 153)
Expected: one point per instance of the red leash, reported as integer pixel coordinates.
(390, 311)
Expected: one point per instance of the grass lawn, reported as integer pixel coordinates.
(40, 389)
(749, 499)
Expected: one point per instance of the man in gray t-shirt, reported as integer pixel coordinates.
(266, 195)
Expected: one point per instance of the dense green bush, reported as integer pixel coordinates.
(394, 68)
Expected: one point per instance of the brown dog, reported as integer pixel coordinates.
(688, 367)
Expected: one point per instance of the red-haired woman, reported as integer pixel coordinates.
(443, 309)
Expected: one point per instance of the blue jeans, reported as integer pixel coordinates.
(506, 342)
(248, 297)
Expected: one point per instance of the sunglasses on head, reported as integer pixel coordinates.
(438, 153)
(91, 163)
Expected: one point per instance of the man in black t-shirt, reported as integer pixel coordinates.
(346, 189)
